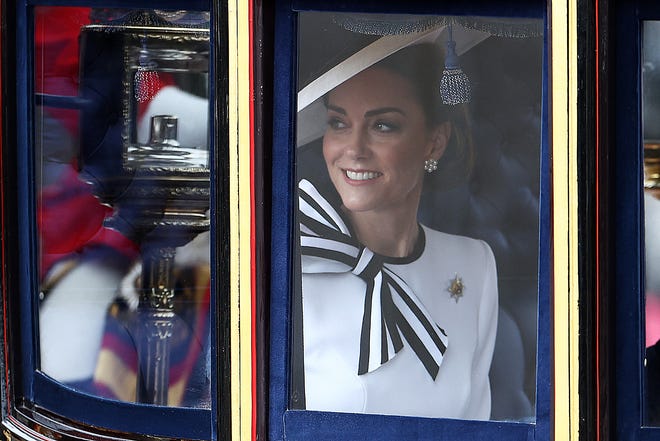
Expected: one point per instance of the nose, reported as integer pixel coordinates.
(357, 144)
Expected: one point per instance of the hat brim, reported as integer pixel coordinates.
(311, 111)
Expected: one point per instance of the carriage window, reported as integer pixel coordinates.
(123, 199)
(419, 207)
(121, 165)
(111, 320)
(402, 144)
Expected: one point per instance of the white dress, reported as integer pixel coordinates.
(333, 306)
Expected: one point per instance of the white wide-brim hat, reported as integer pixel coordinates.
(382, 35)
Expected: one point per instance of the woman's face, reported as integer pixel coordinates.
(376, 142)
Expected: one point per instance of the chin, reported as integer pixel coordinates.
(357, 205)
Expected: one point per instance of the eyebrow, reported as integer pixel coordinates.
(368, 113)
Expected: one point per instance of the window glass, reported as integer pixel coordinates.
(121, 161)
(418, 164)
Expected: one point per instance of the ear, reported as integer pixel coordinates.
(439, 140)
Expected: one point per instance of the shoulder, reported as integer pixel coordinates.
(460, 248)
(471, 260)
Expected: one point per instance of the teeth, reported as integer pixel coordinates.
(361, 176)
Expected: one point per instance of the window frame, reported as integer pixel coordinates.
(302, 424)
(34, 403)
(625, 205)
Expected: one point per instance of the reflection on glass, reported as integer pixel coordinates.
(121, 147)
(162, 81)
(405, 157)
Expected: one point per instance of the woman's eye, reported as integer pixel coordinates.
(385, 127)
(336, 124)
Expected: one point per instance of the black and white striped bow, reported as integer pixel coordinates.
(391, 309)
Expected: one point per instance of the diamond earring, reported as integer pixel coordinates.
(430, 165)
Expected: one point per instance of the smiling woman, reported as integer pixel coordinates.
(375, 147)
(390, 307)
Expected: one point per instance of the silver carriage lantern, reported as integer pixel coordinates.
(145, 149)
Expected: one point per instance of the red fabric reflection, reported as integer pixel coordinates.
(56, 50)
(70, 217)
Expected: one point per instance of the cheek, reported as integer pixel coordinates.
(331, 149)
(405, 159)
(408, 165)
(326, 151)
(412, 172)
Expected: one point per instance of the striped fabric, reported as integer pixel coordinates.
(392, 312)
(116, 374)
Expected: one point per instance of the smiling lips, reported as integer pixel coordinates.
(361, 175)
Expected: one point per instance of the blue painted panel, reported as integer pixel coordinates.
(628, 203)
(128, 417)
(629, 222)
(545, 369)
(322, 426)
(282, 221)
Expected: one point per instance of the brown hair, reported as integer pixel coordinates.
(422, 66)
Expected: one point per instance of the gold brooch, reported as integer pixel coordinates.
(456, 288)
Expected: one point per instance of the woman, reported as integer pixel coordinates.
(397, 318)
